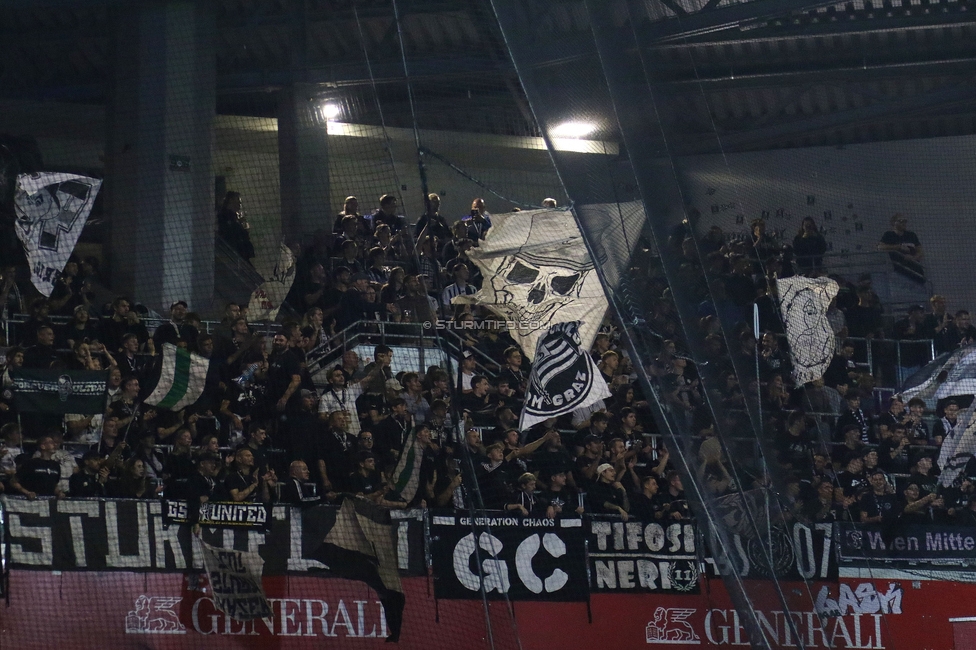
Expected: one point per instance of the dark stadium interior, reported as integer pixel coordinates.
(272, 281)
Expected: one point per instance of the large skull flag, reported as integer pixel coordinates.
(803, 304)
(52, 209)
(538, 273)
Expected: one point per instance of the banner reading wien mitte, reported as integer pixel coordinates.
(59, 391)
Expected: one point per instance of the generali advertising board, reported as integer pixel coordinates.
(132, 610)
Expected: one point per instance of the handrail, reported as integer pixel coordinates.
(358, 330)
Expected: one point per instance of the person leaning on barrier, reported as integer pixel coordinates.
(298, 489)
(672, 499)
(39, 476)
(366, 481)
(91, 479)
(644, 504)
(203, 485)
(246, 482)
(525, 501)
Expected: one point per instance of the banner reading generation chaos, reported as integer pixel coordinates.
(522, 558)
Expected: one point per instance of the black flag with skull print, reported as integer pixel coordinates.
(537, 272)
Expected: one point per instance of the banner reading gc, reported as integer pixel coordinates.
(523, 558)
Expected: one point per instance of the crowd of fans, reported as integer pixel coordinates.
(264, 430)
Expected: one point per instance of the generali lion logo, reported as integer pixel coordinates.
(671, 626)
(154, 615)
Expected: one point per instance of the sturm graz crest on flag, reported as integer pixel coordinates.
(563, 378)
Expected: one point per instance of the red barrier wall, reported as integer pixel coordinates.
(128, 610)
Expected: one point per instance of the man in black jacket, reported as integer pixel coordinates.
(90, 481)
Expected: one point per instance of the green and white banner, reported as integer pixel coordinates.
(181, 381)
(406, 476)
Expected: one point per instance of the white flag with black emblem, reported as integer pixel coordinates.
(958, 446)
(266, 299)
(537, 273)
(803, 302)
(564, 377)
(52, 209)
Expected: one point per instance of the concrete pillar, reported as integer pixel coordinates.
(159, 163)
(303, 163)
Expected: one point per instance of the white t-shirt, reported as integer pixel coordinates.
(343, 399)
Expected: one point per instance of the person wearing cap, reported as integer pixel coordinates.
(203, 485)
(81, 328)
(585, 473)
(468, 366)
(607, 495)
(562, 499)
(176, 331)
(366, 481)
(90, 480)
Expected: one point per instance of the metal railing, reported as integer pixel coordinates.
(413, 335)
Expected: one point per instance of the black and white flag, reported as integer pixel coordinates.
(537, 272)
(958, 447)
(266, 299)
(235, 579)
(52, 209)
(803, 304)
(564, 377)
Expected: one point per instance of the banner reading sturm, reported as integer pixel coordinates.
(524, 558)
(59, 391)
